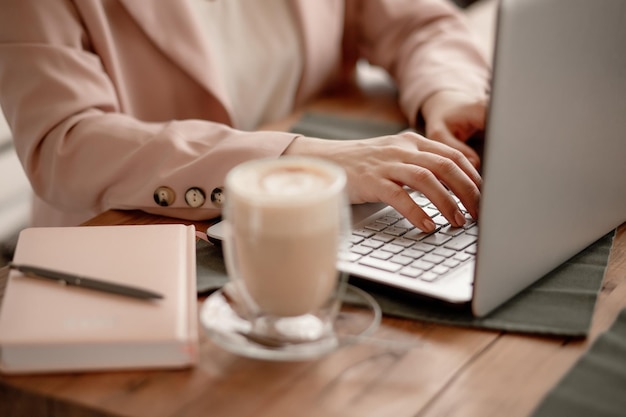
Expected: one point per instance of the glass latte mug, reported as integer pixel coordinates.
(286, 220)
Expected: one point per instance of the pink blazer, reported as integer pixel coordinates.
(113, 104)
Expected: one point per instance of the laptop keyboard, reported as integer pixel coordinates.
(389, 243)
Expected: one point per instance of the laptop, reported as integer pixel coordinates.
(554, 164)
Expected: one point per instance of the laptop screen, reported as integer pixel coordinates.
(554, 172)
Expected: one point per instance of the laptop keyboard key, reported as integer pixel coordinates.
(383, 237)
(405, 243)
(413, 253)
(395, 231)
(363, 233)
(432, 258)
(423, 265)
(371, 243)
(402, 260)
(395, 249)
(437, 239)
(379, 254)
(380, 264)
(361, 250)
(376, 226)
(428, 276)
(460, 242)
(411, 272)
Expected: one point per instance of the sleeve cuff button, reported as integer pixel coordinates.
(217, 197)
(164, 196)
(194, 197)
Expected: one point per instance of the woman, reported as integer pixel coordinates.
(147, 104)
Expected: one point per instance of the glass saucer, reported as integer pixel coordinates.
(358, 318)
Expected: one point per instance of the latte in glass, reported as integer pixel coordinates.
(285, 221)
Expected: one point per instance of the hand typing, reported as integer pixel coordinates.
(453, 118)
(379, 168)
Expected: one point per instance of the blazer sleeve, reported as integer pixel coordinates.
(425, 45)
(80, 151)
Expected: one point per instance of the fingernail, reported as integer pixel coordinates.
(459, 218)
(428, 225)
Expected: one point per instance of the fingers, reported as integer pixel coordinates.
(429, 179)
(435, 170)
(448, 139)
(449, 174)
(453, 154)
(397, 197)
(456, 120)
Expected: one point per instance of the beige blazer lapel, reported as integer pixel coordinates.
(173, 28)
(317, 34)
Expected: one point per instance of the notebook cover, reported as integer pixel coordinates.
(47, 327)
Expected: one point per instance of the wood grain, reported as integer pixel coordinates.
(436, 370)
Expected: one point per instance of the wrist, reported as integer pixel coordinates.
(430, 106)
(303, 146)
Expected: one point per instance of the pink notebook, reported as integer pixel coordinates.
(47, 327)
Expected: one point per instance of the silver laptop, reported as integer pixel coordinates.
(554, 164)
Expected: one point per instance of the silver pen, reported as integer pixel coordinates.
(85, 282)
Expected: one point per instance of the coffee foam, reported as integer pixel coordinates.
(286, 196)
(278, 181)
(293, 181)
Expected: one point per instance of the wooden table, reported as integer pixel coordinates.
(438, 370)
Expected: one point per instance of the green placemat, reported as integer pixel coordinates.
(210, 268)
(327, 126)
(561, 303)
(596, 385)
